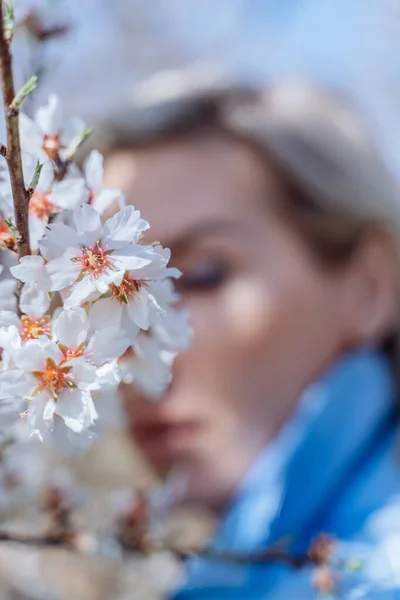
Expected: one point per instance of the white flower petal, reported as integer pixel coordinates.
(58, 237)
(10, 339)
(34, 301)
(106, 312)
(37, 229)
(106, 345)
(86, 219)
(130, 328)
(71, 408)
(93, 169)
(63, 272)
(49, 118)
(83, 374)
(8, 317)
(7, 298)
(132, 257)
(106, 198)
(125, 226)
(32, 357)
(15, 383)
(80, 293)
(68, 194)
(109, 376)
(31, 137)
(91, 414)
(31, 269)
(71, 327)
(138, 309)
(48, 411)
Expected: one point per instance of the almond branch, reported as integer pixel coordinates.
(13, 152)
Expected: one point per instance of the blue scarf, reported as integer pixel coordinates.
(294, 487)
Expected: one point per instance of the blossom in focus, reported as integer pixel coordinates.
(147, 367)
(147, 364)
(49, 134)
(90, 257)
(75, 337)
(140, 299)
(100, 198)
(51, 197)
(32, 271)
(52, 384)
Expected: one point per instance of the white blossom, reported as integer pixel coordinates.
(140, 299)
(52, 384)
(90, 258)
(51, 197)
(49, 134)
(147, 367)
(100, 198)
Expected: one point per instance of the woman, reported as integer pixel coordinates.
(282, 415)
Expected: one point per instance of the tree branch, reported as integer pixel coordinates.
(13, 153)
(264, 556)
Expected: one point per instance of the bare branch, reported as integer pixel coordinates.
(13, 153)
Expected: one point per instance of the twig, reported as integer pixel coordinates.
(269, 555)
(13, 153)
(31, 540)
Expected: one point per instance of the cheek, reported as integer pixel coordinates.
(232, 327)
(249, 308)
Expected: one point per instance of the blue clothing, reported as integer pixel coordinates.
(334, 468)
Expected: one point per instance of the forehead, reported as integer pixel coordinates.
(179, 183)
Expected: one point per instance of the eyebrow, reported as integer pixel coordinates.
(201, 230)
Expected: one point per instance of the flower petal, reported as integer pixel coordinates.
(49, 118)
(80, 293)
(34, 301)
(106, 198)
(83, 374)
(86, 219)
(31, 269)
(58, 237)
(125, 226)
(8, 317)
(63, 271)
(71, 408)
(138, 309)
(15, 383)
(68, 194)
(106, 312)
(106, 345)
(93, 169)
(71, 327)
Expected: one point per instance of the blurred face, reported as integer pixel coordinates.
(267, 318)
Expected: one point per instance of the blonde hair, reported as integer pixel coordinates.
(336, 183)
(336, 180)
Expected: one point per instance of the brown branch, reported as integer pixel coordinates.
(13, 154)
(267, 556)
(31, 540)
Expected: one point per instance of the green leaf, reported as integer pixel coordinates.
(13, 229)
(8, 20)
(77, 142)
(24, 92)
(36, 175)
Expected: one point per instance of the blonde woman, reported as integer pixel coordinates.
(283, 414)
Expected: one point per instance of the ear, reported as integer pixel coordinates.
(373, 284)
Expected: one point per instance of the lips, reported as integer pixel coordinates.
(165, 442)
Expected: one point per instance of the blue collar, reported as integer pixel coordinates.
(338, 420)
(296, 480)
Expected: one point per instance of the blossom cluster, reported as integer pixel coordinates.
(96, 304)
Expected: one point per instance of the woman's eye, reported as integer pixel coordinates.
(202, 277)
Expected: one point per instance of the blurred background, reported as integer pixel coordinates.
(110, 59)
